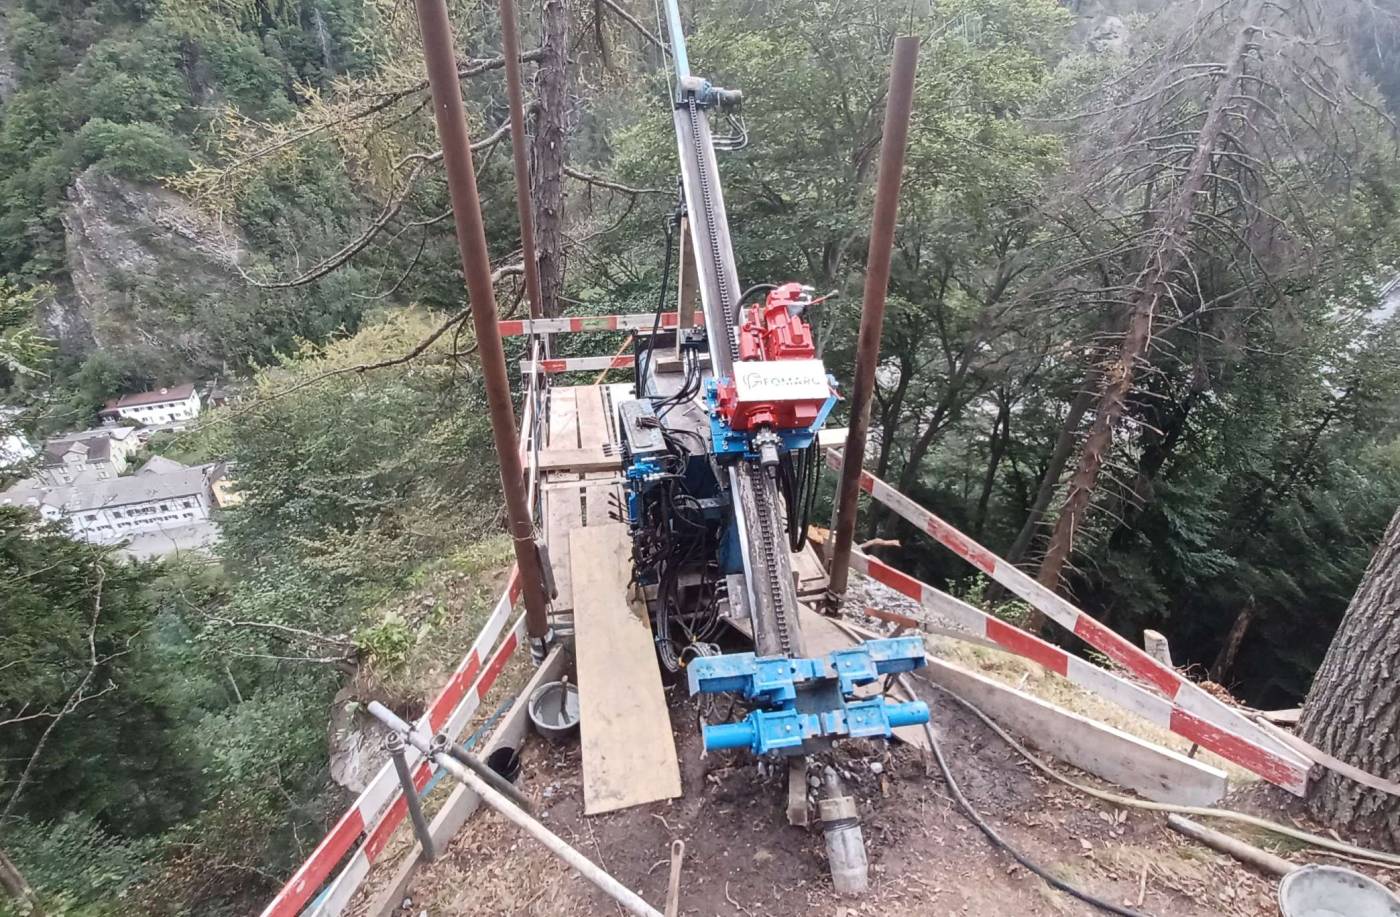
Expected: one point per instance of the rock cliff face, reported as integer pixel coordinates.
(147, 269)
(1105, 26)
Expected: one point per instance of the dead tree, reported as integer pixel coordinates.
(16, 887)
(1353, 709)
(1155, 285)
(548, 152)
(1216, 177)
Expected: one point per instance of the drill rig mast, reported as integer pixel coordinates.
(721, 459)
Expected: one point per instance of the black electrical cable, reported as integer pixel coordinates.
(998, 841)
(672, 221)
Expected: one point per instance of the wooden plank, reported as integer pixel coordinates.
(562, 514)
(463, 803)
(563, 417)
(578, 460)
(811, 576)
(1155, 773)
(598, 503)
(593, 427)
(629, 753)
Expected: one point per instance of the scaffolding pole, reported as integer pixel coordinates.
(898, 107)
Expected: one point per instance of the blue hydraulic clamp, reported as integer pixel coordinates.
(777, 681)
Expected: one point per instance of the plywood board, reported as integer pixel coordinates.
(1154, 772)
(629, 753)
(598, 503)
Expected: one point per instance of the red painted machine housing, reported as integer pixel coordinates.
(776, 330)
(773, 331)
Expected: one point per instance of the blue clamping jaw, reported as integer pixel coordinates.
(763, 731)
(775, 681)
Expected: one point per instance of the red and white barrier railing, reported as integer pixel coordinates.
(632, 322)
(379, 809)
(552, 367)
(1194, 714)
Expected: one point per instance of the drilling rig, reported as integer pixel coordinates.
(721, 459)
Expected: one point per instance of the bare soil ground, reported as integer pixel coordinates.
(742, 857)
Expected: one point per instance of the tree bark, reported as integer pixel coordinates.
(1225, 659)
(1050, 480)
(996, 448)
(548, 152)
(1152, 287)
(16, 887)
(1353, 709)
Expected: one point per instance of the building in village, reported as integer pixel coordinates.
(100, 454)
(176, 404)
(163, 508)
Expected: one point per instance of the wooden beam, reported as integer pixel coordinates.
(580, 460)
(1152, 771)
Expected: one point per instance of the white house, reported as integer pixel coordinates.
(176, 404)
(94, 454)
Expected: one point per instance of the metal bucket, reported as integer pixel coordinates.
(1331, 891)
(554, 710)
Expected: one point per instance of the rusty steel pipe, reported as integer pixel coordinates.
(510, 49)
(476, 267)
(898, 107)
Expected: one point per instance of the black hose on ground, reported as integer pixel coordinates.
(998, 841)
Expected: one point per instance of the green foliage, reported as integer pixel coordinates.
(23, 351)
(138, 152)
(386, 643)
(80, 869)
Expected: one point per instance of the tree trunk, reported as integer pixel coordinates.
(548, 152)
(1050, 480)
(15, 885)
(1225, 659)
(1152, 287)
(1353, 709)
(996, 448)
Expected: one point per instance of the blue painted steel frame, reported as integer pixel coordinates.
(774, 681)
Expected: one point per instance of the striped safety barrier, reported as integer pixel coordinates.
(575, 365)
(1194, 714)
(378, 810)
(632, 322)
(976, 625)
